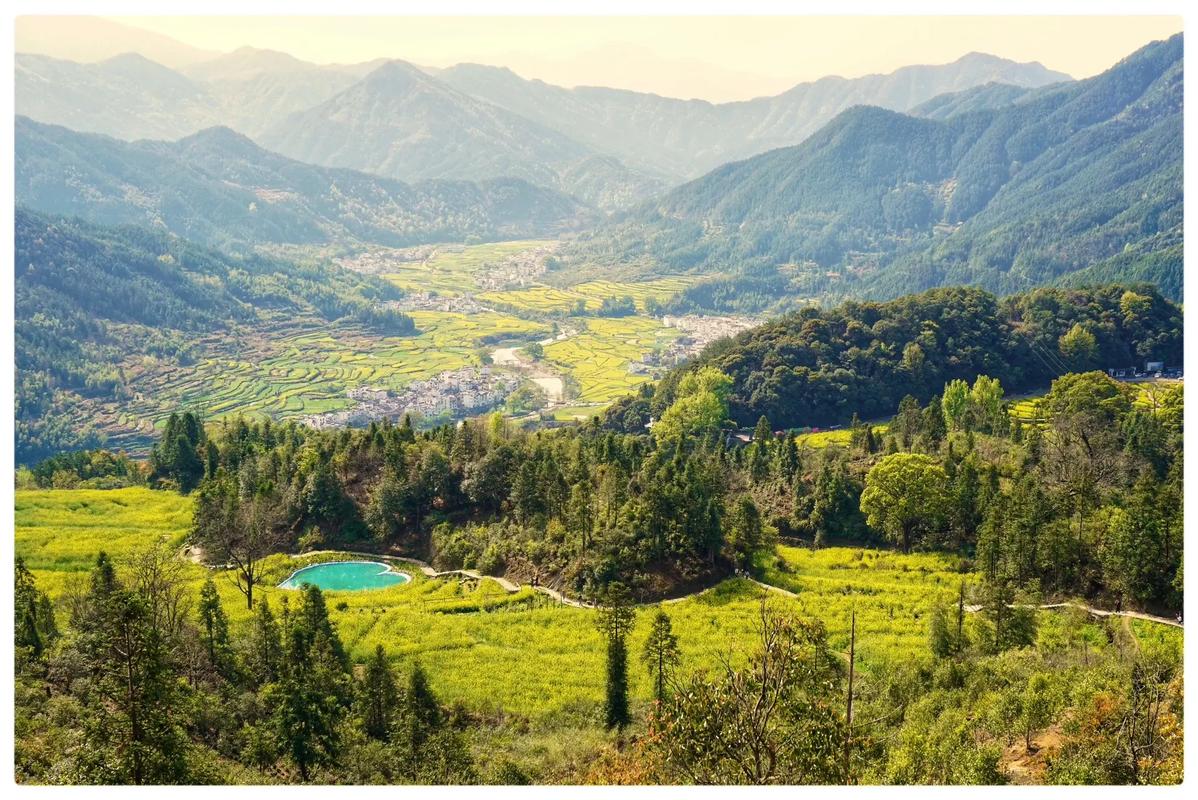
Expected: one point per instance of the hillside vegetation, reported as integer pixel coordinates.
(816, 368)
(881, 203)
(88, 296)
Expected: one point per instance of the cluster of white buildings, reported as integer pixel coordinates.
(457, 393)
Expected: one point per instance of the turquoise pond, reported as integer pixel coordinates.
(346, 576)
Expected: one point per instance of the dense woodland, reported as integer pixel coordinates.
(818, 367)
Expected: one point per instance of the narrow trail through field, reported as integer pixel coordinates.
(1097, 612)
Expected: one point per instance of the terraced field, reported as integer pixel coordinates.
(288, 369)
(598, 357)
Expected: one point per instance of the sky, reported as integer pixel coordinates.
(714, 58)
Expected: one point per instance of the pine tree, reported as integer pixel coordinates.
(378, 696)
(661, 654)
(615, 621)
(313, 689)
(34, 625)
(214, 628)
(138, 738)
(264, 654)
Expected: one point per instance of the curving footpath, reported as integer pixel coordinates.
(512, 586)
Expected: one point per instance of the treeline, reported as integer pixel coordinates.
(89, 297)
(147, 684)
(817, 367)
(580, 507)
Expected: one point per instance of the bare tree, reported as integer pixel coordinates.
(238, 532)
(776, 720)
(157, 575)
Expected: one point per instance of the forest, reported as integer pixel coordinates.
(816, 367)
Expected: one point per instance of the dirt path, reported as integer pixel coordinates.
(512, 586)
(1097, 612)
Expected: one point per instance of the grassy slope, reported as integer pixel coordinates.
(519, 653)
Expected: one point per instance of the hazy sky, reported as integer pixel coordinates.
(717, 58)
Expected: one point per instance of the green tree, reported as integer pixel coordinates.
(33, 615)
(745, 533)
(661, 655)
(1090, 393)
(955, 402)
(1079, 347)
(313, 690)
(378, 696)
(905, 494)
(214, 628)
(614, 621)
(775, 720)
(135, 733)
(700, 405)
(263, 656)
(987, 407)
(1036, 707)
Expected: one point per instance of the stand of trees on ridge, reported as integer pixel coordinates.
(817, 367)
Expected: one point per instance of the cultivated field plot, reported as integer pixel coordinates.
(892, 593)
(520, 652)
(547, 299)
(598, 357)
(455, 269)
(1149, 393)
(839, 437)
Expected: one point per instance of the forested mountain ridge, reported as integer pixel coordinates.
(217, 187)
(881, 203)
(818, 368)
(88, 296)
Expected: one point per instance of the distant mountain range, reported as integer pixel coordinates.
(1005, 195)
(218, 188)
(689, 137)
(611, 148)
